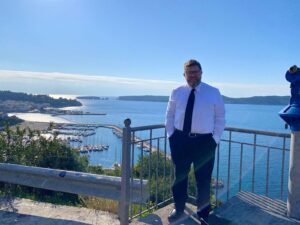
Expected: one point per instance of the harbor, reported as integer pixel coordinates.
(77, 136)
(101, 143)
(74, 135)
(60, 112)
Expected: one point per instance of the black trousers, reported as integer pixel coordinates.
(200, 151)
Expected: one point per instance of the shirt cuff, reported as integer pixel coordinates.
(216, 138)
(170, 132)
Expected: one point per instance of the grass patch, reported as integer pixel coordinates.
(100, 204)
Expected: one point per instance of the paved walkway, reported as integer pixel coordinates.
(244, 208)
(252, 209)
(160, 217)
(29, 212)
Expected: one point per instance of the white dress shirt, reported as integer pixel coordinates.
(208, 112)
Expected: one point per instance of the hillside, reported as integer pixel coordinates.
(22, 102)
(259, 100)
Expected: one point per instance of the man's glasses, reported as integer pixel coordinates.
(192, 73)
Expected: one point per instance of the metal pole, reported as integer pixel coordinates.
(293, 202)
(125, 168)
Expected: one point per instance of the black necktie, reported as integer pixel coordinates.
(189, 113)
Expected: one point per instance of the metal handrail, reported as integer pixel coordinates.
(233, 129)
(69, 181)
(259, 132)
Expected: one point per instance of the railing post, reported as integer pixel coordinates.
(293, 202)
(125, 168)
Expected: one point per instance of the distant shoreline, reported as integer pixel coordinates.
(255, 100)
(22, 102)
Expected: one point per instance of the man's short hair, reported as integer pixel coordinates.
(192, 62)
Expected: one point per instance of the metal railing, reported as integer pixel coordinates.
(255, 161)
(69, 181)
(246, 160)
(145, 157)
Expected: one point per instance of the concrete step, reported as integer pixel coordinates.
(243, 209)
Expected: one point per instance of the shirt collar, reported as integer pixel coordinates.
(197, 88)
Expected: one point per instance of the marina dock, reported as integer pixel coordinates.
(75, 133)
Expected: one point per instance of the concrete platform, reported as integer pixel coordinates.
(243, 209)
(160, 217)
(250, 209)
(27, 212)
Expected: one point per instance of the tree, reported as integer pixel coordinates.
(157, 169)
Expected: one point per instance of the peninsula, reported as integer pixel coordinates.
(12, 102)
(22, 102)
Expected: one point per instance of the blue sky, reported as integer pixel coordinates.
(111, 48)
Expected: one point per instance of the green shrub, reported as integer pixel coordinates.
(27, 147)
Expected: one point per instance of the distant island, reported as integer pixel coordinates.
(22, 102)
(259, 100)
(256, 100)
(92, 97)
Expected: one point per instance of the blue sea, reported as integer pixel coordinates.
(261, 117)
(258, 117)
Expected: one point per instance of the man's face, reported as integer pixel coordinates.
(193, 75)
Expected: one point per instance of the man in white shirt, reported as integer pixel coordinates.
(195, 120)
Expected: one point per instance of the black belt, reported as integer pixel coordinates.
(193, 135)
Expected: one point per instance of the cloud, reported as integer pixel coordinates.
(83, 84)
(78, 77)
(65, 83)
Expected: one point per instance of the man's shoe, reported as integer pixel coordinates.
(175, 215)
(204, 221)
(203, 215)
